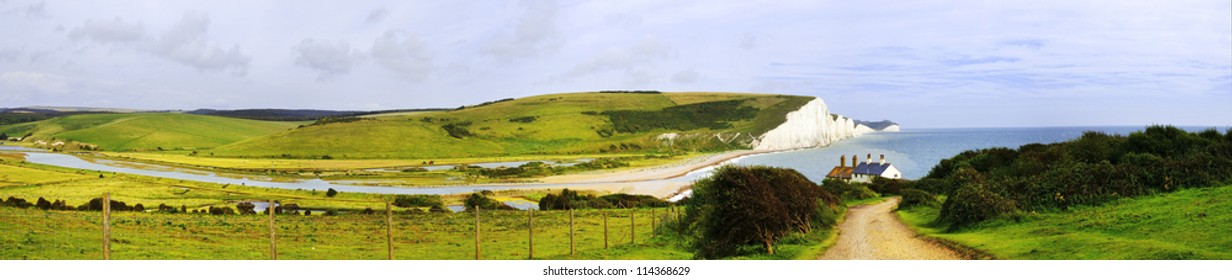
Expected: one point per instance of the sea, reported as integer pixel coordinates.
(916, 151)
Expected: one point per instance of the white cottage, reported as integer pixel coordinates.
(864, 172)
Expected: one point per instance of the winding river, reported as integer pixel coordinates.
(912, 151)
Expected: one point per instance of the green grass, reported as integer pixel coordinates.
(1187, 224)
(148, 131)
(564, 124)
(38, 234)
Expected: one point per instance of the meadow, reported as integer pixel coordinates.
(147, 131)
(1186, 224)
(348, 233)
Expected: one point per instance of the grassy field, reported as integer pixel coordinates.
(148, 131)
(1187, 224)
(554, 124)
(39, 234)
(52, 234)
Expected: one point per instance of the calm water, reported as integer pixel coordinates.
(914, 152)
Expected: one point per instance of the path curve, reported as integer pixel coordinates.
(872, 232)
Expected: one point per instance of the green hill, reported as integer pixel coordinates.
(147, 131)
(573, 123)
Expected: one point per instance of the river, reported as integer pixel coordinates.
(914, 152)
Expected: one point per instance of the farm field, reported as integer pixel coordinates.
(544, 125)
(40, 234)
(147, 131)
(58, 234)
(1187, 224)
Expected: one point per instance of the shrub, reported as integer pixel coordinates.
(480, 201)
(331, 192)
(887, 186)
(17, 202)
(847, 191)
(916, 197)
(973, 203)
(418, 200)
(246, 208)
(756, 205)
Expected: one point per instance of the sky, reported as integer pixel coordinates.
(923, 64)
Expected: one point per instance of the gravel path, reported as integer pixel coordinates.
(872, 232)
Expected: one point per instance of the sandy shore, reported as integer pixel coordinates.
(649, 180)
(652, 173)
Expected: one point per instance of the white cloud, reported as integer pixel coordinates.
(377, 15)
(633, 59)
(108, 31)
(328, 57)
(534, 33)
(688, 76)
(186, 43)
(402, 54)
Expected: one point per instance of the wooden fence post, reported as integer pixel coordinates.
(389, 229)
(273, 240)
(572, 247)
(106, 226)
(476, 232)
(604, 229)
(632, 226)
(653, 223)
(530, 233)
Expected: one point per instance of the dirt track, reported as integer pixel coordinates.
(872, 232)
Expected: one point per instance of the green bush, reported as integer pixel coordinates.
(418, 200)
(916, 197)
(485, 203)
(848, 191)
(741, 206)
(973, 203)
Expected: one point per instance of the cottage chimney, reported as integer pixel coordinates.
(883, 159)
(855, 160)
(843, 161)
(870, 158)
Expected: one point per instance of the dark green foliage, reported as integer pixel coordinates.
(916, 197)
(329, 120)
(933, 185)
(568, 199)
(972, 203)
(888, 186)
(712, 115)
(17, 202)
(418, 200)
(458, 130)
(623, 200)
(1090, 170)
(221, 210)
(847, 191)
(97, 205)
(603, 163)
(526, 119)
(483, 202)
(246, 208)
(741, 206)
(331, 192)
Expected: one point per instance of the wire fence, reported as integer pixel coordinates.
(51, 234)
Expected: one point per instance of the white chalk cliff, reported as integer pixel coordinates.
(810, 126)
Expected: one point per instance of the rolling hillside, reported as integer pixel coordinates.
(147, 131)
(574, 123)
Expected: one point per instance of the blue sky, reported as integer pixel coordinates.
(920, 63)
